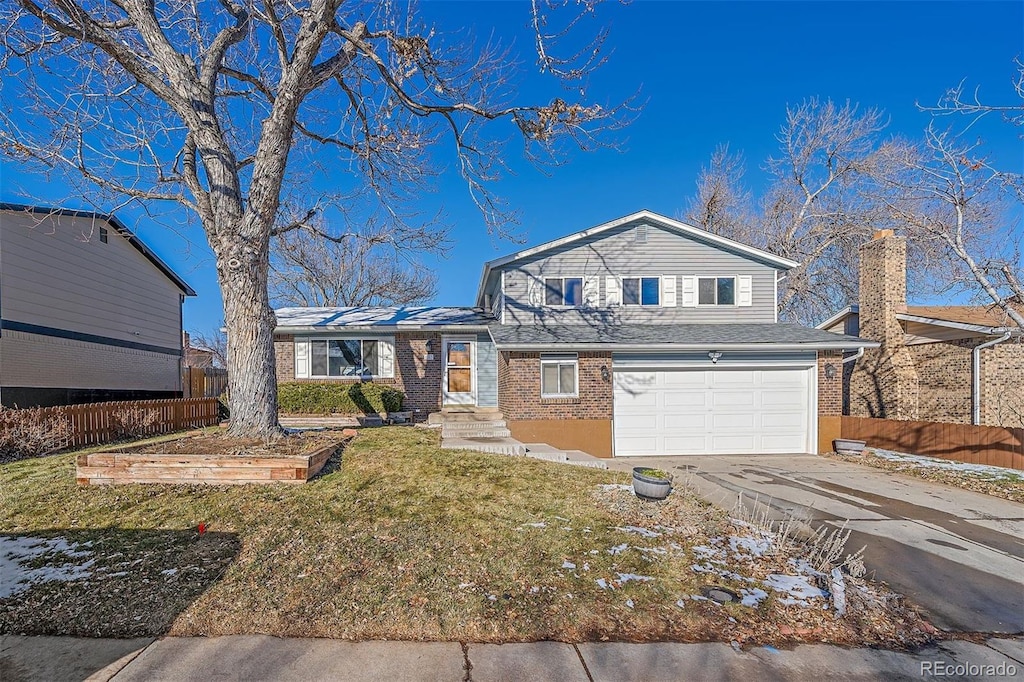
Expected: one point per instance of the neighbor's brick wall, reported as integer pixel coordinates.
(519, 388)
(1002, 380)
(416, 376)
(944, 380)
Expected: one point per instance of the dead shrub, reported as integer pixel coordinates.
(32, 432)
(132, 423)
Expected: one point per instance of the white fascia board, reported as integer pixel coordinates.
(651, 216)
(660, 347)
(389, 329)
(841, 315)
(981, 329)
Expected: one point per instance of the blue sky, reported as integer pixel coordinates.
(709, 73)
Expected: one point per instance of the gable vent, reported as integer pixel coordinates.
(640, 234)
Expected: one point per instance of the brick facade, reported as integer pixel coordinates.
(1002, 384)
(418, 377)
(830, 390)
(519, 388)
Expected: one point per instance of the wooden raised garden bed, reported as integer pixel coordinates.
(129, 465)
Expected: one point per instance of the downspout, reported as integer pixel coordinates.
(856, 356)
(976, 376)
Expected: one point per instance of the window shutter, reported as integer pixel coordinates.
(534, 292)
(689, 292)
(591, 292)
(668, 291)
(386, 355)
(301, 358)
(744, 290)
(612, 291)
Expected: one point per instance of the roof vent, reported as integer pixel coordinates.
(640, 234)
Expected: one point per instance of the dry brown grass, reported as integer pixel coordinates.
(402, 540)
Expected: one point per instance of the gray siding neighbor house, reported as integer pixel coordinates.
(641, 336)
(87, 311)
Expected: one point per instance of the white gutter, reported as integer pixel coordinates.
(382, 329)
(857, 356)
(976, 376)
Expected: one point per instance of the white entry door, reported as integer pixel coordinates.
(459, 371)
(708, 412)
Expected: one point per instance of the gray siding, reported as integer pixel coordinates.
(617, 253)
(55, 272)
(486, 371)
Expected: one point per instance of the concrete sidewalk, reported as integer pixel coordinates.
(257, 657)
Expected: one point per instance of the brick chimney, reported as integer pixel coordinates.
(884, 382)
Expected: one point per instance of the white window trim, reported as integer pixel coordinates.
(622, 291)
(735, 291)
(387, 339)
(561, 359)
(544, 289)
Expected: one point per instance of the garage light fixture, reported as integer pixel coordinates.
(714, 355)
(830, 371)
(605, 375)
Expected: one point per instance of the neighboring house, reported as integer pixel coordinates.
(641, 336)
(958, 364)
(87, 312)
(201, 358)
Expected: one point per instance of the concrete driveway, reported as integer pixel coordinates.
(958, 555)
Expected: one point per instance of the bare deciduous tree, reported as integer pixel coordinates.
(955, 101)
(349, 269)
(814, 210)
(944, 191)
(209, 104)
(214, 342)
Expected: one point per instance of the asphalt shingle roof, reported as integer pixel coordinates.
(413, 316)
(668, 334)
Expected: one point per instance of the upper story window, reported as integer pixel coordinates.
(564, 291)
(351, 358)
(641, 291)
(716, 291)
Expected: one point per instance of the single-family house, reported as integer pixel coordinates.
(641, 336)
(88, 312)
(938, 363)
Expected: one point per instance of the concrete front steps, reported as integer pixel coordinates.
(485, 430)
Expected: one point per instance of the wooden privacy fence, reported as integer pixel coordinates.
(103, 422)
(992, 445)
(203, 382)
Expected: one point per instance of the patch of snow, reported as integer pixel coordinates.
(586, 566)
(639, 531)
(16, 552)
(615, 486)
(795, 586)
(681, 603)
(626, 577)
(746, 547)
(920, 461)
(618, 549)
(661, 551)
(172, 571)
(561, 518)
(568, 564)
(491, 597)
(699, 597)
(602, 583)
(463, 586)
(753, 597)
(629, 603)
(539, 524)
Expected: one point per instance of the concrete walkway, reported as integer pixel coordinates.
(957, 554)
(255, 657)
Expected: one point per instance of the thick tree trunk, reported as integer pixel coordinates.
(242, 272)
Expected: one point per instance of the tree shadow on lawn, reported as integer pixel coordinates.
(112, 582)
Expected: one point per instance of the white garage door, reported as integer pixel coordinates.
(708, 412)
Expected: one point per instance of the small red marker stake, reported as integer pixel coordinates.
(202, 528)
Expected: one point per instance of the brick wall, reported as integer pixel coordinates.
(1002, 381)
(830, 391)
(418, 377)
(519, 388)
(944, 380)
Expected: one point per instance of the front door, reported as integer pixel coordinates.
(459, 374)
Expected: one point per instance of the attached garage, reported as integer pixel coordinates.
(714, 410)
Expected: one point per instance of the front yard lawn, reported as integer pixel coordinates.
(398, 539)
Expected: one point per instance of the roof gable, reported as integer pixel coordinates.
(643, 216)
